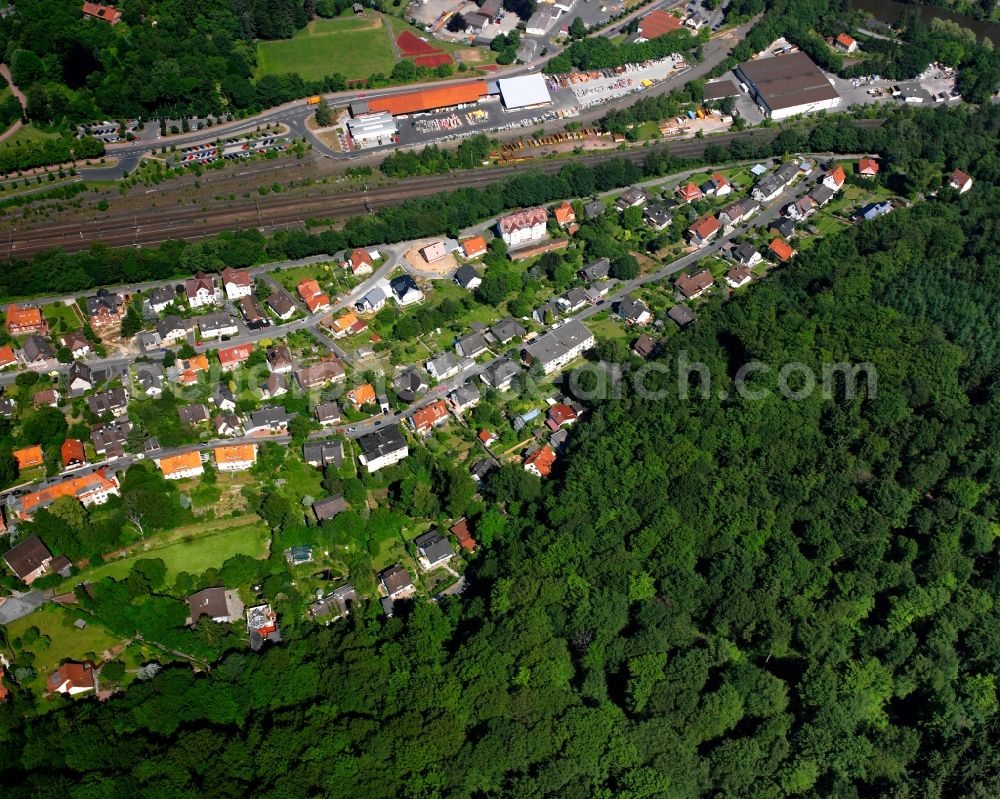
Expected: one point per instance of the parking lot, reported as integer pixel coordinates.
(231, 150)
(109, 131)
(602, 86)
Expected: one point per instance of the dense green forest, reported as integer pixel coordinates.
(714, 596)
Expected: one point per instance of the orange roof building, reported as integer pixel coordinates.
(237, 457)
(73, 678)
(362, 395)
(868, 167)
(781, 249)
(429, 417)
(474, 247)
(656, 23)
(231, 357)
(845, 42)
(190, 367)
(702, 231)
(540, 461)
(342, 325)
(179, 467)
(689, 193)
(105, 13)
(430, 99)
(90, 489)
(460, 530)
(28, 457)
(21, 321)
(7, 357)
(73, 453)
(313, 296)
(564, 214)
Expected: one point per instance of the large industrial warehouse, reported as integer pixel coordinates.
(526, 91)
(787, 85)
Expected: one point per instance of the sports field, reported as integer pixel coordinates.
(356, 47)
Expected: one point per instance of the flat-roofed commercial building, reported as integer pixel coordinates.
(787, 85)
(373, 130)
(525, 91)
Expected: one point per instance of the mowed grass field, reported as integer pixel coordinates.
(356, 47)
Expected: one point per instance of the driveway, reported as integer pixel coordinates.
(20, 605)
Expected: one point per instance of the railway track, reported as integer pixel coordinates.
(122, 228)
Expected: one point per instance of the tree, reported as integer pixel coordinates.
(299, 428)
(624, 267)
(457, 23)
(577, 28)
(8, 467)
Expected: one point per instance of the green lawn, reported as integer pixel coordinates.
(193, 548)
(28, 133)
(66, 642)
(356, 47)
(56, 312)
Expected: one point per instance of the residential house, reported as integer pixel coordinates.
(269, 420)
(79, 379)
(360, 262)
(227, 425)
(73, 454)
(262, 625)
(76, 343)
(656, 217)
(361, 396)
(746, 255)
(279, 359)
(281, 305)
(114, 401)
(171, 330)
(202, 290)
(598, 270)
(721, 187)
(36, 350)
(564, 214)
(373, 301)
(336, 604)
(867, 167)
(481, 470)
(464, 397)
(238, 283)
(540, 462)
(108, 14)
(8, 408)
(634, 311)
(320, 374)
(433, 550)
(507, 330)
(328, 413)
(703, 230)
(460, 530)
(430, 416)
(874, 210)
(472, 345)
(344, 324)
(274, 386)
(558, 347)
(738, 276)
(644, 346)
(821, 195)
(217, 325)
(593, 209)
(802, 208)
(381, 448)
(688, 193)
(29, 559)
(834, 179)
(693, 286)
(149, 377)
(181, 467)
(959, 181)
(71, 678)
(313, 296)
(769, 188)
(323, 453)
(193, 414)
(252, 313)
(21, 321)
(474, 247)
(845, 43)
(405, 290)
(90, 489)
(443, 366)
(104, 309)
(783, 227)
(235, 457)
(500, 375)
(395, 581)
(631, 198)
(736, 212)
(328, 508)
(110, 438)
(487, 437)
(467, 277)
(7, 357)
(409, 383)
(46, 398)
(433, 252)
(160, 297)
(562, 415)
(546, 313)
(223, 398)
(781, 250)
(523, 227)
(211, 602)
(231, 357)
